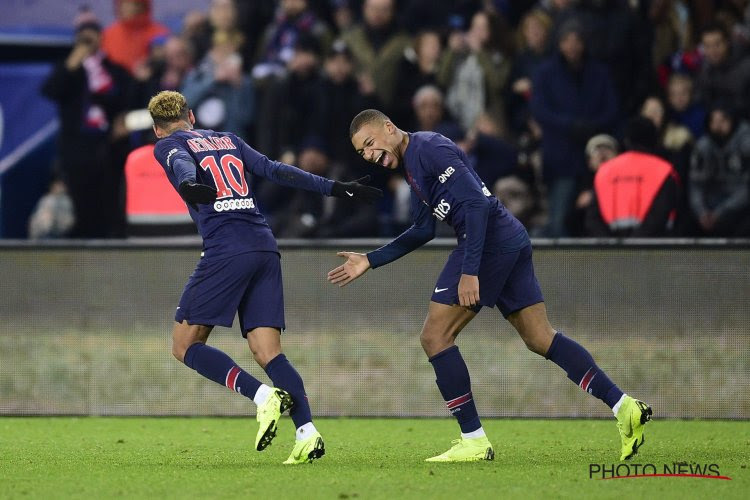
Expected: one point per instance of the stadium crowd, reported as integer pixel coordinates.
(545, 96)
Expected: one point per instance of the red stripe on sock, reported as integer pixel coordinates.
(231, 381)
(458, 401)
(586, 380)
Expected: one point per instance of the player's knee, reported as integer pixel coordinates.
(178, 351)
(538, 342)
(263, 356)
(433, 343)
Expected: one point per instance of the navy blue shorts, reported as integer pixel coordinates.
(248, 284)
(506, 280)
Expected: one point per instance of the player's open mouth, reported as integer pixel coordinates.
(384, 160)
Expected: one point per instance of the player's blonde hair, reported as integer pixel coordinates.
(168, 107)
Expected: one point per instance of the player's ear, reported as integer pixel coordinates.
(191, 117)
(157, 132)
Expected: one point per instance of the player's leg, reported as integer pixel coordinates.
(441, 327)
(261, 314)
(211, 297)
(521, 303)
(265, 344)
(189, 346)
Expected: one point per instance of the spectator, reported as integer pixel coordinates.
(599, 149)
(616, 37)
(53, 216)
(490, 156)
(429, 111)
(294, 20)
(221, 95)
(417, 68)
(126, 41)
(682, 105)
(344, 98)
(636, 193)
(723, 77)
(475, 70)
(293, 111)
(377, 45)
(573, 100)
(674, 141)
(165, 69)
(534, 34)
(719, 175)
(90, 92)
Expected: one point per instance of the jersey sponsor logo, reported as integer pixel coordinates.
(441, 211)
(241, 204)
(169, 156)
(445, 175)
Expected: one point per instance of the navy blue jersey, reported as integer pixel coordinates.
(232, 224)
(445, 187)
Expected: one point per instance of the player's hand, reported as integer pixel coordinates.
(355, 266)
(197, 193)
(357, 190)
(468, 290)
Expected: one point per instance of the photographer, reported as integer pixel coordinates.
(91, 93)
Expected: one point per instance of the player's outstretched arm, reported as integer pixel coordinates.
(355, 266)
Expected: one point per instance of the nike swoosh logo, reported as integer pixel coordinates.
(350, 194)
(438, 290)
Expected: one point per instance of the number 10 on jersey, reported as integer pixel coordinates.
(224, 176)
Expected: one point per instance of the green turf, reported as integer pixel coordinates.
(94, 457)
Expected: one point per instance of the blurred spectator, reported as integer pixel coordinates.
(165, 69)
(294, 20)
(343, 100)
(343, 16)
(126, 41)
(719, 175)
(429, 110)
(220, 94)
(573, 100)
(682, 105)
(599, 149)
(293, 111)
(617, 38)
(723, 77)
(534, 34)
(489, 155)
(517, 197)
(475, 69)
(420, 15)
(90, 92)
(253, 17)
(53, 216)
(377, 45)
(674, 141)
(636, 193)
(417, 67)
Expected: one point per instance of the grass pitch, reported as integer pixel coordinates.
(110, 457)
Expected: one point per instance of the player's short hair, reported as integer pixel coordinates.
(365, 117)
(168, 107)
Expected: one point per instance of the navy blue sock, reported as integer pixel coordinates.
(453, 380)
(581, 369)
(284, 376)
(217, 366)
